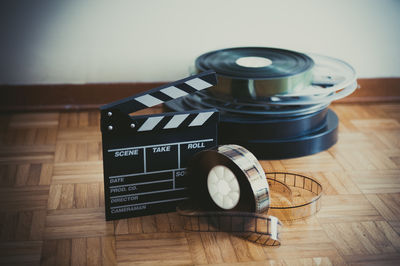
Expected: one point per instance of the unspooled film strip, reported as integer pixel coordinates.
(145, 157)
(257, 228)
(290, 197)
(293, 196)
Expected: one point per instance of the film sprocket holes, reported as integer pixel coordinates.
(144, 157)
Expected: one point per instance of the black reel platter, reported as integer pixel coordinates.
(254, 125)
(272, 101)
(271, 137)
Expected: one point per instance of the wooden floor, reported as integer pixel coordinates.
(51, 200)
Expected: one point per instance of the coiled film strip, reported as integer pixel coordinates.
(294, 196)
(264, 200)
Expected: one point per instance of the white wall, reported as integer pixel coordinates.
(125, 41)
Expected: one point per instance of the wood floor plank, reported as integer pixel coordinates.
(49, 253)
(341, 208)
(94, 251)
(63, 252)
(83, 119)
(32, 158)
(196, 248)
(8, 173)
(78, 251)
(338, 182)
(379, 181)
(297, 252)
(8, 228)
(20, 252)
(54, 197)
(23, 226)
(67, 196)
(388, 205)
(175, 222)
(376, 259)
(121, 227)
(108, 250)
(34, 175)
(22, 174)
(241, 249)
(211, 248)
(79, 135)
(76, 172)
(24, 198)
(153, 249)
(162, 222)
(312, 163)
(363, 238)
(74, 223)
(38, 225)
(228, 251)
(135, 225)
(149, 224)
(34, 120)
(93, 195)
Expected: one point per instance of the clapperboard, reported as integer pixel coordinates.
(144, 157)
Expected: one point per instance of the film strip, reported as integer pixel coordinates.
(294, 196)
(257, 228)
(145, 157)
(265, 199)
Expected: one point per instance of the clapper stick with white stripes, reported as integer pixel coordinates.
(172, 120)
(164, 93)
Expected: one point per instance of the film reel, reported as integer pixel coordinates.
(315, 98)
(257, 72)
(243, 126)
(329, 75)
(277, 77)
(230, 192)
(233, 106)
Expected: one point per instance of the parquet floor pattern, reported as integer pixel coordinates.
(52, 202)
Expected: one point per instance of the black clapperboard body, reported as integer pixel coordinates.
(144, 157)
